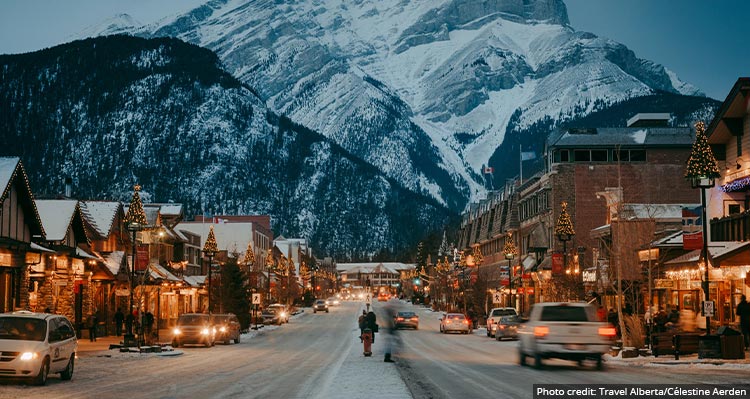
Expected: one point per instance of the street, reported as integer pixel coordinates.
(319, 356)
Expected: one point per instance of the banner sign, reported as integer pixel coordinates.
(142, 257)
(557, 264)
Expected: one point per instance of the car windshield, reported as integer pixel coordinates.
(320, 302)
(564, 313)
(509, 319)
(406, 314)
(187, 320)
(22, 328)
(503, 312)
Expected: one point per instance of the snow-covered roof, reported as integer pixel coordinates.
(659, 212)
(229, 236)
(373, 267)
(100, 214)
(113, 261)
(158, 272)
(7, 167)
(717, 249)
(85, 255)
(194, 281)
(624, 136)
(38, 248)
(56, 216)
(171, 209)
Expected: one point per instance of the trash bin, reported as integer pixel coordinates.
(709, 347)
(732, 343)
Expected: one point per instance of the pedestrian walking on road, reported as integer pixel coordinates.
(362, 325)
(119, 318)
(743, 312)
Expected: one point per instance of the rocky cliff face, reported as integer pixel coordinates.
(113, 111)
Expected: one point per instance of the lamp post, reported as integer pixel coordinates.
(135, 220)
(210, 248)
(701, 171)
(269, 269)
(510, 252)
(564, 231)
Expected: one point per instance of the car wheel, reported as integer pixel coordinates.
(41, 378)
(175, 344)
(498, 337)
(237, 340)
(599, 363)
(326, 310)
(488, 331)
(315, 311)
(67, 374)
(538, 361)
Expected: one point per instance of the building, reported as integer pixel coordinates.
(19, 225)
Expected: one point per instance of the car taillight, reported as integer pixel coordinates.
(415, 318)
(466, 322)
(541, 331)
(607, 331)
(399, 319)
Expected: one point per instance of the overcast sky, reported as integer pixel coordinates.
(703, 41)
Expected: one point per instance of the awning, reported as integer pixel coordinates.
(528, 262)
(538, 237)
(85, 255)
(39, 248)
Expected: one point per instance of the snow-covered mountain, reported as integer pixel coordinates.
(425, 90)
(113, 111)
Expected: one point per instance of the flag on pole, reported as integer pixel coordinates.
(528, 156)
(488, 170)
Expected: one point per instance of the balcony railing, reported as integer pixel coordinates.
(734, 227)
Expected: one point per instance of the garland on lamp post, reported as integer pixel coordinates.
(702, 171)
(210, 248)
(135, 220)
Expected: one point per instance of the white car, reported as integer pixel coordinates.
(496, 315)
(564, 330)
(33, 345)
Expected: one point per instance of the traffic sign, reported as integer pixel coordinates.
(256, 299)
(708, 308)
(497, 297)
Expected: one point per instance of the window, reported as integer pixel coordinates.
(621, 156)
(637, 156)
(582, 155)
(599, 155)
(562, 156)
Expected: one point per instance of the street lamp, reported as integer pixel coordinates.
(269, 268)
(564, 231)
(510, 252)
(701, 171)
(210, 248)
(135, 220)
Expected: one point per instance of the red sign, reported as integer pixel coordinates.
(530, 290)
(142, 257)
(520, 290)
(505, 282)
(557, 264)
(691, 241)
(473, 276)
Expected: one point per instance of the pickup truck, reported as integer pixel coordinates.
(496, 314)
(564, 330)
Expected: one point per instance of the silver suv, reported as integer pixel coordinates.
(33, 345)
(496, 314)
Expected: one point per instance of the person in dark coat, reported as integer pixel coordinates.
(148, 322)
(743, 311)
(129, 320)
(362, 324)
(371, 323)
(93, 322)
(119, 318)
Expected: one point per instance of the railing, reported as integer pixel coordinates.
(731, 228)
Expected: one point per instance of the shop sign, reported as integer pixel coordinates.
(662, 283)
(122, 292)
(185, 292)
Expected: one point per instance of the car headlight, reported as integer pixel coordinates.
(29, 355)
(223, 329)
(205, 331)
(176, 331)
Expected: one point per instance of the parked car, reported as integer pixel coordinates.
(406, 319)
(227, 328)
(564, 330)
(507, 327)
(284, 311)
(194, 328)
(33, 345)
(454, 322)
(495, 315)
(320, 305)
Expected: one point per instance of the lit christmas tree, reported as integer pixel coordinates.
(564, 226)
(135, 214)
(701, 164)
(510, 248)
(210, 248)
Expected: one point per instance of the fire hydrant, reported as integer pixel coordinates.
(367, 340)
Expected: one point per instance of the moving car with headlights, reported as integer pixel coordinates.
(406, 319)
(564, 330)
(320, 305)
(383, 297)
(495, 315)
(227, 328)
(454, 322)
(507, 327)
(333, 301)
(194, 328)
(276, 313)
(33, 345)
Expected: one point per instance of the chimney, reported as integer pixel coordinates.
(68, 187)
(649, 120)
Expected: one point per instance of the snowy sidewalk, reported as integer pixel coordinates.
(687, 361)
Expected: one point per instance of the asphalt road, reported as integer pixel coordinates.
(436, 365)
